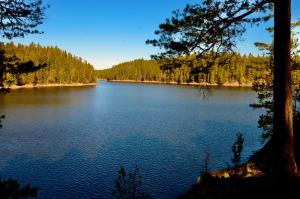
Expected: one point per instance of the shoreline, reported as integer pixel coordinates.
(30, 86)
(226, 84)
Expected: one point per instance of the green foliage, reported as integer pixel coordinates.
(20, 17)
(241, 68)
(265, 101)
(138, 70)
(35, 64)
(207, 29)
(129, 185)
(237, 149)
(263, 86)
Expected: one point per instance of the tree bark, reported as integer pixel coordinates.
(284, 154)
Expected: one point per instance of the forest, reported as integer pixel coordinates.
(244, 69)
(50, 65)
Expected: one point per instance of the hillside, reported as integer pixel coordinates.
(50, 65)
(244, 69)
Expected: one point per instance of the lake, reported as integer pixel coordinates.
(71, 142)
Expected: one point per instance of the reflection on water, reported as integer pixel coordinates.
(71, 141)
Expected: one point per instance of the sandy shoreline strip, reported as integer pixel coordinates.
(52, 85)
(227, 84)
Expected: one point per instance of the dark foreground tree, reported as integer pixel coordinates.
(129, 185)
(284, 154)
(212, 28)
(10, 189)
(20, 17)
(237, 149)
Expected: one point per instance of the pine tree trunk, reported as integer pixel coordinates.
(284, 154)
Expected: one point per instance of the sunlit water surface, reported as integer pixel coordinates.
(71, 142)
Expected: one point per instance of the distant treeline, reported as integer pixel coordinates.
(243, 69)
(59, 67)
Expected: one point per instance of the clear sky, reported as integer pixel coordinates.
(107, 32)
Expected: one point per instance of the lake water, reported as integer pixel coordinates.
(71, 142)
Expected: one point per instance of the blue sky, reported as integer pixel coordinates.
(107, 32)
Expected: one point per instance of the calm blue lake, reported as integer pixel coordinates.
(71, 142)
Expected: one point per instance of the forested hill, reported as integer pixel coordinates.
(59, 67)
(244, 69)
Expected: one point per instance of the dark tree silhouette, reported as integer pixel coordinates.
(14, 66)
(11, 189)
(210, 28)
(20, 17)
(213, 27)
(205, 169)
(129, 185)
(1, 118)
(237, 149)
